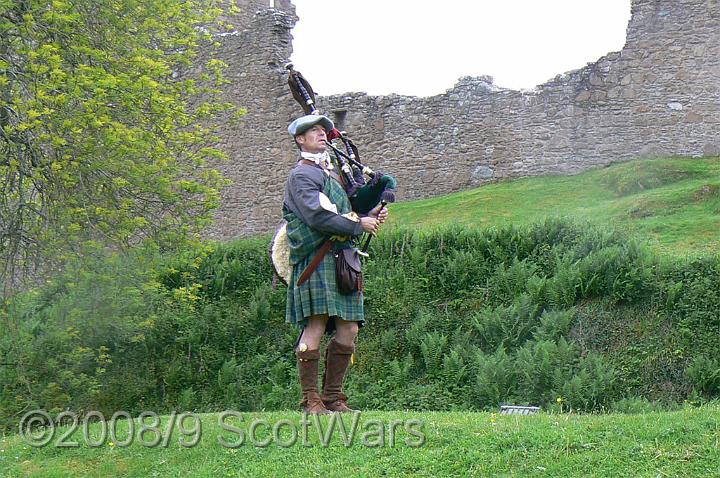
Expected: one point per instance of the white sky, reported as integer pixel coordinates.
(421, 48)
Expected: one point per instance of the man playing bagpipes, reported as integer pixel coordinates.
(328, 205)
(321, 227)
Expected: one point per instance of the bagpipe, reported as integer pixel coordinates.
(364, 194)
(364, 187)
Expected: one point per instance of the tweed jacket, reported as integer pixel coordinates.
(312, 220)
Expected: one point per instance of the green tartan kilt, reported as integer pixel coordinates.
(320, 295)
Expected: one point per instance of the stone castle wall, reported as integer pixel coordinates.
(658, 96)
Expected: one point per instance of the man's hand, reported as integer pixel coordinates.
(369, 224)
(380, 213)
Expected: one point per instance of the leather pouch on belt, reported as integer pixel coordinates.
(348, 271)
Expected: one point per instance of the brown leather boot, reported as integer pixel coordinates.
(308, 371)
(337, 359)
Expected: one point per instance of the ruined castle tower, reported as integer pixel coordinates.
(658, 96)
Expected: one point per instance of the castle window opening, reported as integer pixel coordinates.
(339, 117)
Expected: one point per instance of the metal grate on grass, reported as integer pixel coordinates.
(517, 410)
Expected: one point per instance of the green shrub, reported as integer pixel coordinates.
(636, 405)
(496, 378)
(456, 319)
(704, 373)
(432, 347)
(509, 326)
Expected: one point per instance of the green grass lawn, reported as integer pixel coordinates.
(674, 204)
(658, 444)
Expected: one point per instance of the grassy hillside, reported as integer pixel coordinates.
(668, 444)
(673, 203)
(552, 312)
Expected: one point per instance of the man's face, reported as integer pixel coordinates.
(313, 140)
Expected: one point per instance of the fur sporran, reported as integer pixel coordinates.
(348, 271)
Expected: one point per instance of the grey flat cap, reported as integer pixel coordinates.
(304, 123)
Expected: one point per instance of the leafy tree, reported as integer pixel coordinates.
(103, 140)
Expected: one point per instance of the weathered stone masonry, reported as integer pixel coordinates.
(658, 96)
